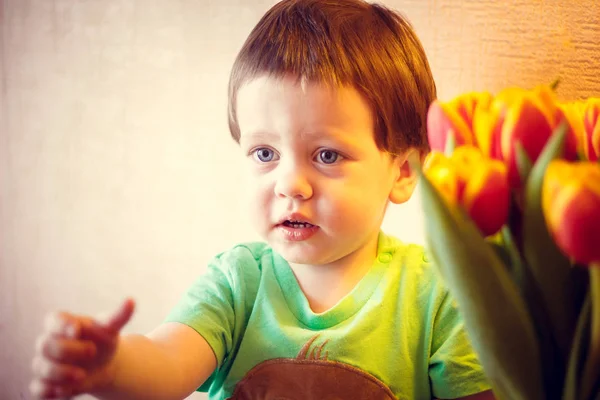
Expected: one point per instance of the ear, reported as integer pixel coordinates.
(406, 177)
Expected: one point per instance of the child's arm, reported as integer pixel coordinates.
(79, 355)
(169, 363)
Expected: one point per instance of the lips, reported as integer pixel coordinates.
(295, 220)
(296, 224)
(295, 227)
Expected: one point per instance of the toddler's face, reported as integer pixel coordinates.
(318, 184)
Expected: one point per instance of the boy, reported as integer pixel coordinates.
(328, 101)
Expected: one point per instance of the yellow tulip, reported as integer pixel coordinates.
(516, 115)
(477, 183)
(441, 173)
(571, 206)
(573, 114)
(591, 123)
(486, 197)
(453, 118)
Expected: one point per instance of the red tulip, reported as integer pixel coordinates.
(519, 116)
(573, 114)
(571, 205)
(442, 174)
(453, 118)
(478, 184)
(591, 123)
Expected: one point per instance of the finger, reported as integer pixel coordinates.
(68, 351)
(119, 319)
(70, 326)
(63, 392)
(92, 330)
(57, 373)
(40, 389)
(61, 323)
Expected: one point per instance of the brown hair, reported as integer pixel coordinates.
(345, 42)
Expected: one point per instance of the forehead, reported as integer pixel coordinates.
(288, 104)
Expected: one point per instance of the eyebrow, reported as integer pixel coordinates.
(259, 135)
(333, 135)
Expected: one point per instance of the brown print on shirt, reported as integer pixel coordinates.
(309, 377)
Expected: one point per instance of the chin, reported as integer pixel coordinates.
(295, 254)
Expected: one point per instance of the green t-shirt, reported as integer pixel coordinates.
(398, 334)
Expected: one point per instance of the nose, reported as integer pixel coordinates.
(292, 182)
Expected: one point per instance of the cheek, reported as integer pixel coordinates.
(352, 203)
(256, 208)
(340, 203)
(257, 194)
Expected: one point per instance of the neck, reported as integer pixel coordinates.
(325, 285)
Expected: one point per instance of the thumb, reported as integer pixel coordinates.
(116, 321)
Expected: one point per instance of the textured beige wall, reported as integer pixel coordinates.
(117, 175)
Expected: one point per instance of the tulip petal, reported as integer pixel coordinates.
(591, 122)
(486, 190)
(525, 123)
(444, 179)
(487, 126)
(433, 158)
(558, 174)
(571, 205)
(576, 213)
(443, 121)
(547, 102)
(466, 105)
(441, 172)
(576, 137)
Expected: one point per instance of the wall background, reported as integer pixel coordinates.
(117, 174)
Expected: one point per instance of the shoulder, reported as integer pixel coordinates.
(242, 261)
(412, 259)
(416, 271)
(247, 252)
(409, 254)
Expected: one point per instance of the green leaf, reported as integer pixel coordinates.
(590, 380)
(501, 252)
(450, 144)
(516, 262)
(559, 284)
(523, 162)
(495, 316)
(578, 353)
(552, 372)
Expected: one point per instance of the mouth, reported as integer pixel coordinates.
(296, 221)
(296, 224)
(296, 228)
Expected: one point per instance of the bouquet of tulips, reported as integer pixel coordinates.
(511, 191)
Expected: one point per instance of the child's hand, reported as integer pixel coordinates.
(74, 354)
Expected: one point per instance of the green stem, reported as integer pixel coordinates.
(595, 292)
(590, 372)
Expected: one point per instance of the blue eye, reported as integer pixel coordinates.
(328, 156)
(264, 154)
